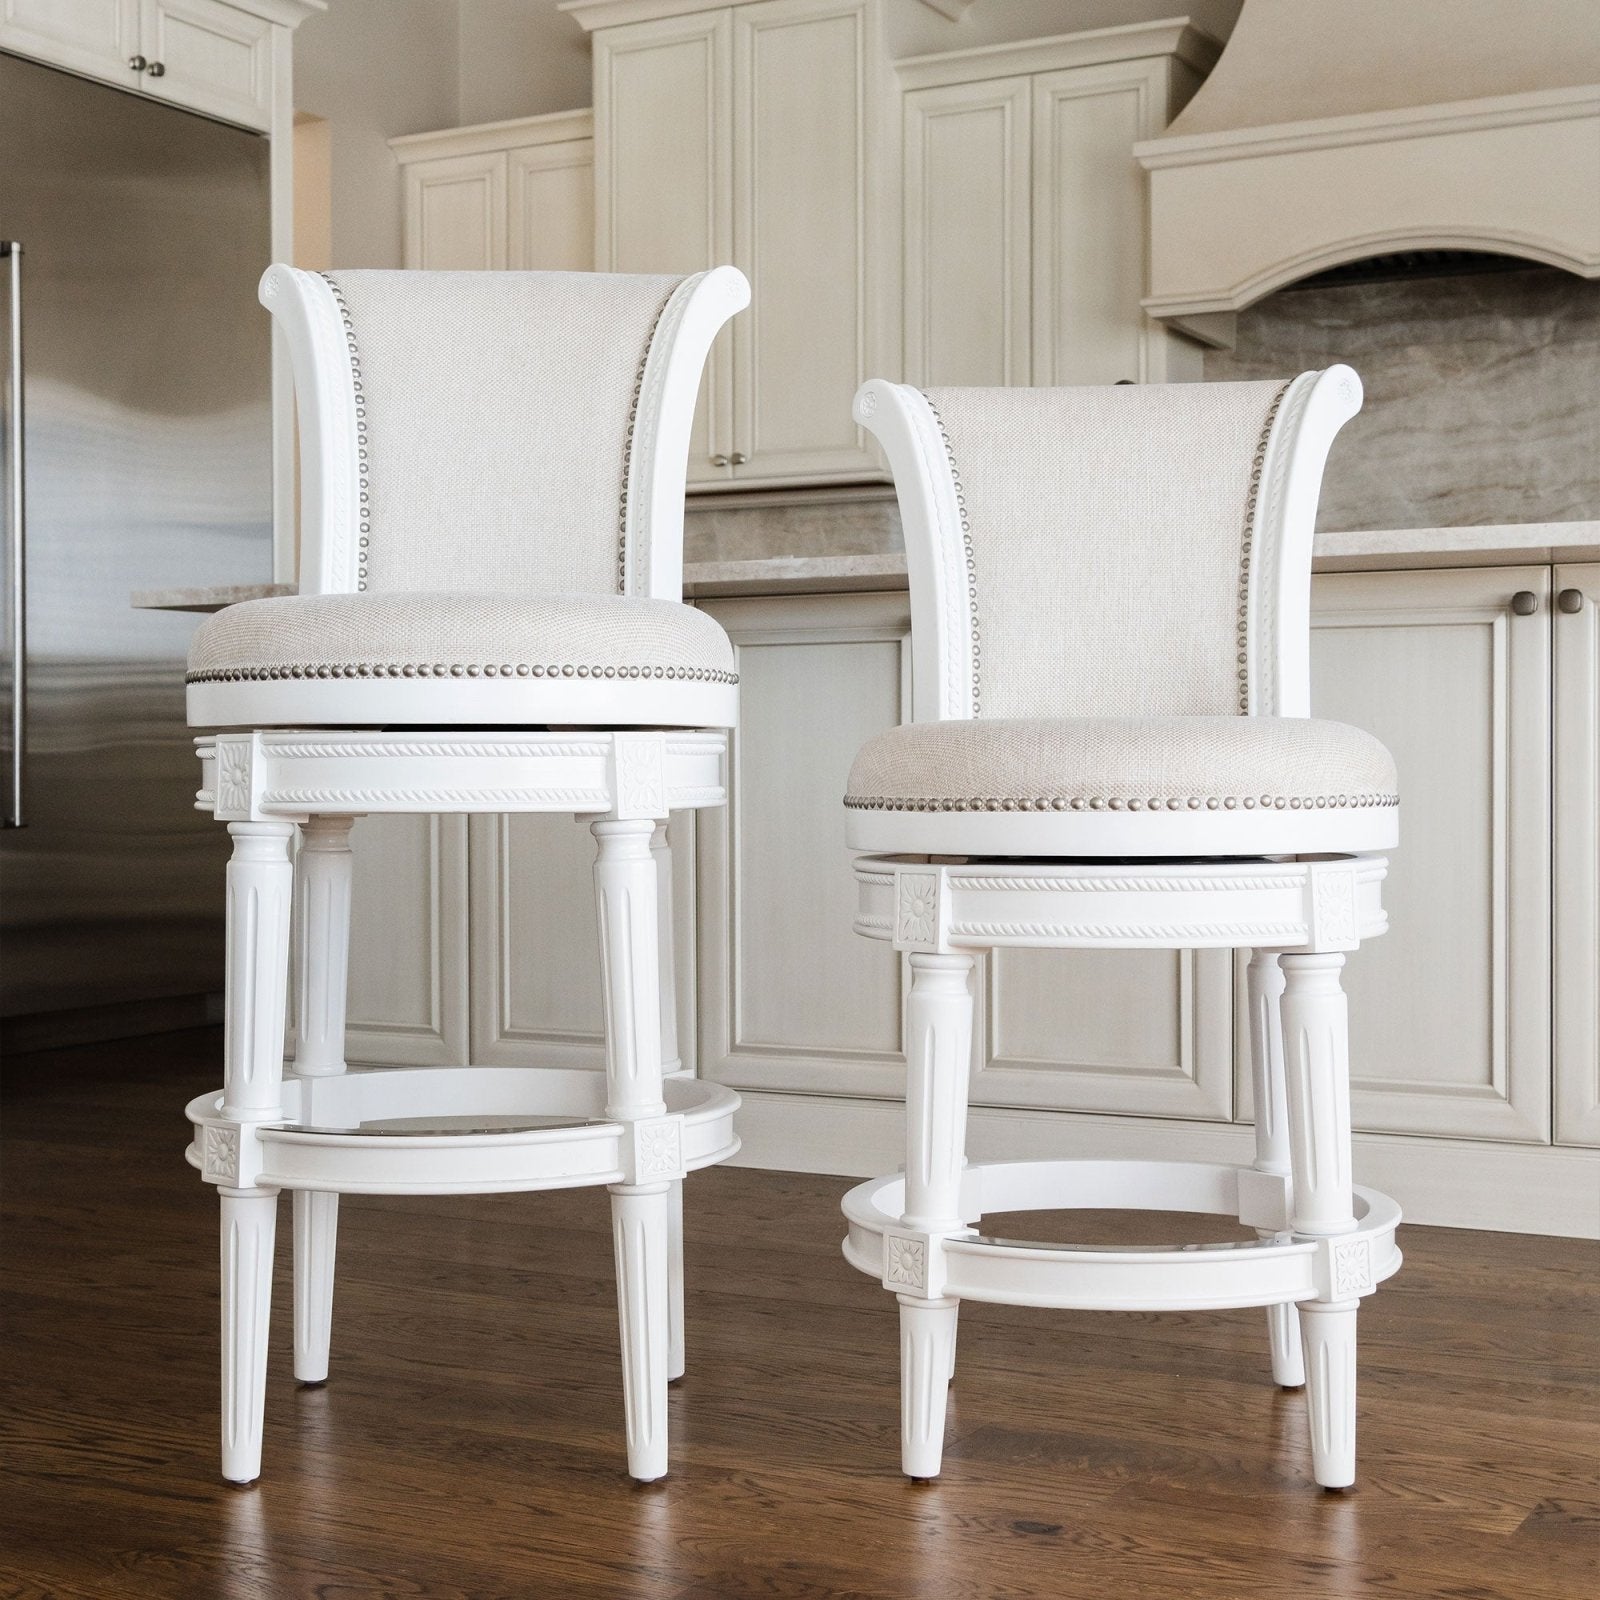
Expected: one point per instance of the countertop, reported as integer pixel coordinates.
(1367, 550)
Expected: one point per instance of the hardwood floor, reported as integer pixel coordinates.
(469, 1443)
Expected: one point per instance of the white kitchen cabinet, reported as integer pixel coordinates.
(790, 1001)
(98, 38)
(516, 195)
(1025, 233)
(1575, 622)
(408, 942)
(534, 945)
(220, 60)
(762, 134)
(1450, 1010)
(214, 59)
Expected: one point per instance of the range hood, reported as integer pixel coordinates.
(1331, 130)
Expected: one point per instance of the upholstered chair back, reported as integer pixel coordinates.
(510, 432)
(1120, 551)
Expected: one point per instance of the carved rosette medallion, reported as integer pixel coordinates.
(219, 1153)
(917, 908)
(905, 1263)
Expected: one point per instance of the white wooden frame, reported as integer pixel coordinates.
(1322, 1245)
(628, 756)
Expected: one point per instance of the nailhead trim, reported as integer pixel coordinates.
(1256, 465)
(971, 563)
(364, 540)
(1193, 802)
(453, 669)
(627, 449)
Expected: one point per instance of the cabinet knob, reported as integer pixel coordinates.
(1524, 602)
(739, 458)
(156, 70)
(719, 461)
(1570, 601)
(138, 63)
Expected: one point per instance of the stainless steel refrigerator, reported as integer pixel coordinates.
(137, 454)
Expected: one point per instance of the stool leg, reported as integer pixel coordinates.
(1264, 980)
(260, 882)
(675, 1352)
(671, 1064)
(322, 954)
(249, 1225)
(1317, 1060)
(938, 1059)
(625, 888)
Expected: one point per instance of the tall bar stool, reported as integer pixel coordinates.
(490, 619)
(1110, 599)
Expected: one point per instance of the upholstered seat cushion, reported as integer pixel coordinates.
(1124, 786)
(439, 659)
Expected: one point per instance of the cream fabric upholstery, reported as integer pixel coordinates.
(1130, 764)
(433, 635)
(498, 409)
(1109, 531)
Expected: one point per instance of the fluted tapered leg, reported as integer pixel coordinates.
(1264, 980)
(316, 1232)
(938, 1061)
(626, 894)
(260, 883)
(322, 955)
(249, 1224)
(1316, 1044)
(676, 1359)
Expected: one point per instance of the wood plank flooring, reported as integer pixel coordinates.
(468, 1445)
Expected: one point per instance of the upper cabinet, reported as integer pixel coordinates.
(206, 56)
(516, 195)
(1024, 209)
(764, 135)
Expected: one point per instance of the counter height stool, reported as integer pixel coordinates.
(1110, 596)
(490, 619)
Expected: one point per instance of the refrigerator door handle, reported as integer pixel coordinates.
(16, 546)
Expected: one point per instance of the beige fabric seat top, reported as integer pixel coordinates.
(464, 658)
(1325, 784)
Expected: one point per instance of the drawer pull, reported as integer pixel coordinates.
(156, 70)
(138, 63)
(1570, 601)
(1524, 602)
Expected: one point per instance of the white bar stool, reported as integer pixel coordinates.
(490, 619)
(1110, 593)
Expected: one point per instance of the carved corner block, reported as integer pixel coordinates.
(236, 774)
(1332, 918)
(219, 1155)
(919, 910)
(639, 782)
(657, 1150)
(1345, 1268)
(905, 1263)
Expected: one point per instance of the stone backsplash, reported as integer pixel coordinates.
(1482, 406)
(1482, 394)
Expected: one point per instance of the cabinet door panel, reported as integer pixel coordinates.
(969, 270)
(536, 946)
(456, 213)
(408, 944)
(1450, 1010)
(97, 37)
(1577, 859)
(215, 59)
(1137, 1031)
(790, 997)
(1089, 224)
(800, 137)
(552, 208)
(663, 179)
